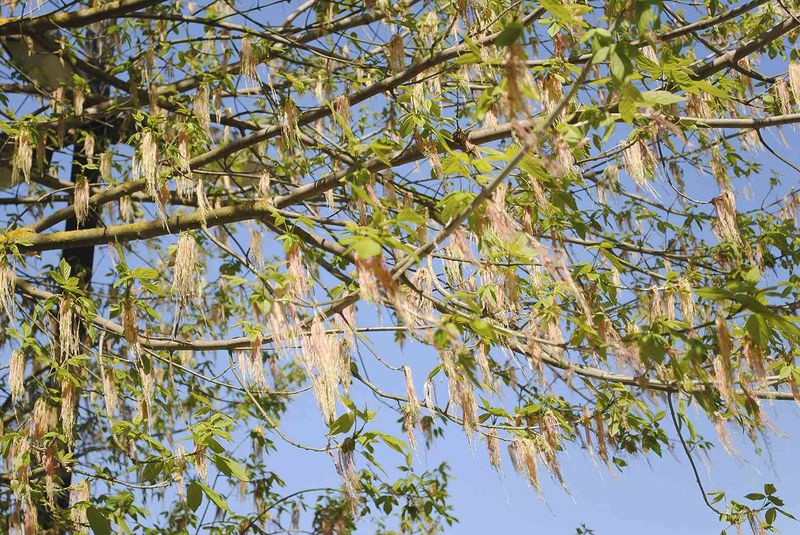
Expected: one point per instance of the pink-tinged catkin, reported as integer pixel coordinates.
(723, 434)
(600, 434)
(374, 277)
(298, 276)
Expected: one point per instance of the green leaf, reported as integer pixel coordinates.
(713, 293)
(98, 521)
(366, 247)
(770, 515)
(218, 500)
(194, 496)
(510, 34)
(661, 98)
(342, 424)
(755, 496)
(231, 468)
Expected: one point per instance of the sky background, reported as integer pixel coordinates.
(654, 496)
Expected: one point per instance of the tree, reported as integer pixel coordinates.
(515, 218)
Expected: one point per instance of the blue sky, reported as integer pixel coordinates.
(655, 496)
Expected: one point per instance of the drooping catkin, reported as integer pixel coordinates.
(319, 356)
(148, 162)
(44, 419)
(414, 407)
(78, 99)
(69, 400)
(794, 81)
(68, 338)
(50, 463)
(524, 453)
(23, 157)
(264, 184)
(200, 109)
(106, 165)
(341, 106)
(723, 369)
(686, 301)
(482, 360)
(129, 328)
(183, 281)
(635, 162)
(125, 208)
(256, 249)
(248, 60)
(88, 148)
(8, 284)
(725, 226)
(109, 391)
(296, 269)
(203, 208)
(493, 448)
(200, 462)
(81, 200)
(79, 494)
(290, 128)
(781, 95)
(16, 374)
(600, 434)
(184, 160)
(395, 53)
